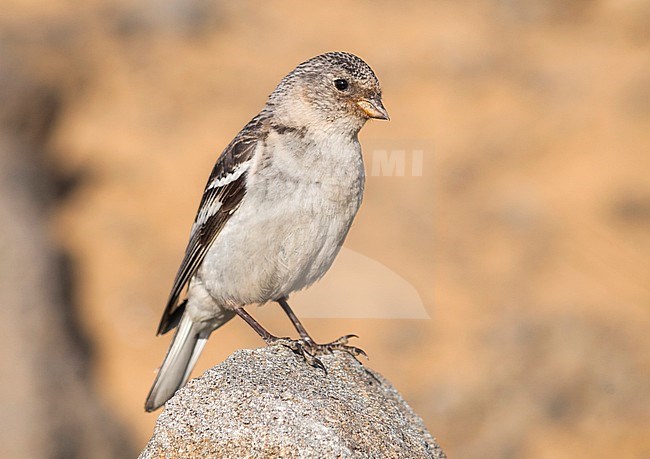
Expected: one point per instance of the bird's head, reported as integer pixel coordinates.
(333, 88)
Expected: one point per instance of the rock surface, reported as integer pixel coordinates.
(268, 403)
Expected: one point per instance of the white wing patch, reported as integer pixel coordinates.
(213, 207)
(218, 182)
(205, 213)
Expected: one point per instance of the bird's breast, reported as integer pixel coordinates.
(290, 226)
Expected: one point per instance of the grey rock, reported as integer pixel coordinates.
(268, 403)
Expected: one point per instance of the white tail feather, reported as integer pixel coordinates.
(183, 353)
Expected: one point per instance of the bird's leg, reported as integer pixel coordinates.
(298, 346)
(300, 328)
(255, 325)
(340, 344)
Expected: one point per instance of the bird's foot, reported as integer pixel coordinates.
(310, 350)
(303, 348)
(340, 344)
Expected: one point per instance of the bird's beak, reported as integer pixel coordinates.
(373, 108)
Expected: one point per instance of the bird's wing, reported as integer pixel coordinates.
(223, 194)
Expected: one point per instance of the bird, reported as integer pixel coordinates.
(274, 213)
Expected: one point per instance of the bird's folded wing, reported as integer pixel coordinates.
(222, 196)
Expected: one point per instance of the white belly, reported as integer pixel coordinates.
(267, 251)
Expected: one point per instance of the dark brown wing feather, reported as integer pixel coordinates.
(204, 232)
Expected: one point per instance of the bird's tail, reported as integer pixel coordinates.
(188, 342)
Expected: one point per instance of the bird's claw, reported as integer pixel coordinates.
(342, 340)
(341, 344)
(310, 350)
(305, 348)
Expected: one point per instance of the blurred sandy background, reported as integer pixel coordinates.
(527, 236)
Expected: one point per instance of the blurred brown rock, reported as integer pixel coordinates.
(49, 406)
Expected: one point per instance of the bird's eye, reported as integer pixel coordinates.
(341, 84)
